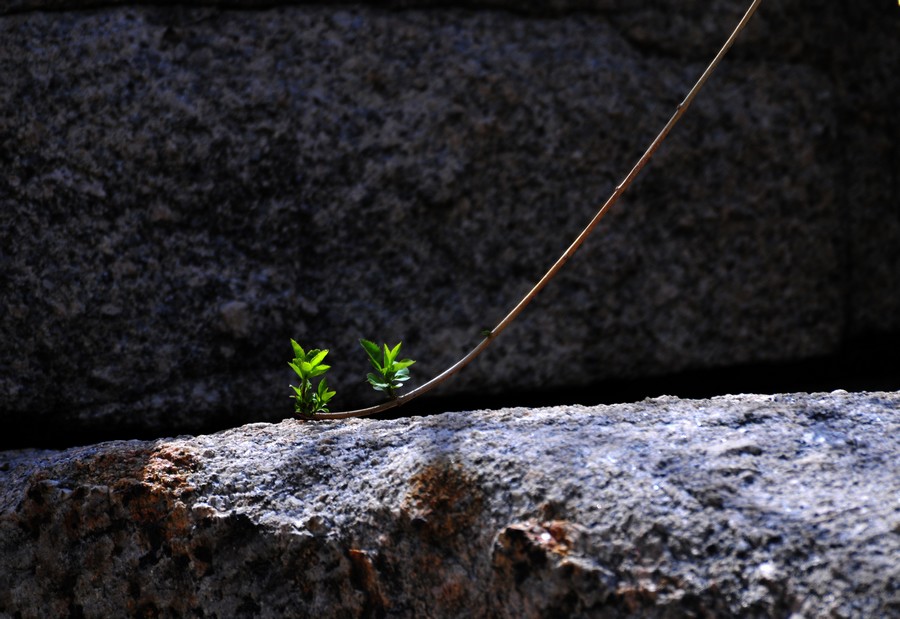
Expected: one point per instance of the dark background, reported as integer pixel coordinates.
(187, 186)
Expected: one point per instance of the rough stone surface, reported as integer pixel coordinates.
(186, 188)
(738, 506)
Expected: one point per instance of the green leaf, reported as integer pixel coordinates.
(309, 400)
(323, 392)
(377, 382)
(318, 358)
(319, 370)
(405, 363)
(374, 352)
(390, 354)
(389, 373)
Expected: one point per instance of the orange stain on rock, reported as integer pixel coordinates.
(444, 500)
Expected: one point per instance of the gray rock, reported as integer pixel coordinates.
(185, 189)
(738, 506)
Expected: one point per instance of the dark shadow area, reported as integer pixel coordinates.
(871, 363)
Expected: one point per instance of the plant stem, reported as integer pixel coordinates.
(619, 190)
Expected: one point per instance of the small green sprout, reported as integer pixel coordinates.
(390, 374)
(308, 365)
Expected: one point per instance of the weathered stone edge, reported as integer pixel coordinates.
(479, 513)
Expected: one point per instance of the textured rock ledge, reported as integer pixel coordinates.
(745, 506)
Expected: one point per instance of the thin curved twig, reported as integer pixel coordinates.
(619, 190)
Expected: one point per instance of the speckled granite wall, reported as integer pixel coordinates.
(186, 187)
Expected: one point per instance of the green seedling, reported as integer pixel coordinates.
(308, 365)
(390, 374)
